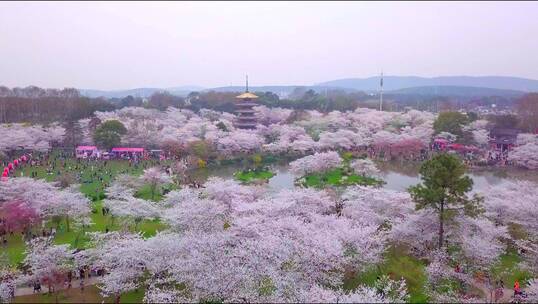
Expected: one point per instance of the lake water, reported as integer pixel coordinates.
(397, 176)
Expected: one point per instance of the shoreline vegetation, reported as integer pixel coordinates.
(337, 177)
(252, 176)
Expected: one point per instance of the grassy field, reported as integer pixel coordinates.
(508, 269)
(250, 176)
(337, 177)
(91, 294)
(93, 177)
(397, 264)
(15, 249)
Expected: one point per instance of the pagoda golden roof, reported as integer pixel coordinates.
(247, 95)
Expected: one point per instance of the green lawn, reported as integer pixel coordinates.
(15, 249)
(74, 295)
(337, 177)
(509, 269)
(249, 176)
(88, 174)
(76, 237)
(397, 264)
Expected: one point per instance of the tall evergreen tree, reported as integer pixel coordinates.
(444, 189)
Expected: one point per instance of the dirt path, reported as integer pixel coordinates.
(23, 291)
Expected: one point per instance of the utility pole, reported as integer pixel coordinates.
(381, 93)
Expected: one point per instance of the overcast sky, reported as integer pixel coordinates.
(126, 45)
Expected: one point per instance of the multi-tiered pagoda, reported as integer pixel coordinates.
(246, 118)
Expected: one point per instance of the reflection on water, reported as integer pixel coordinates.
(400, 182)
(397, 176)
(283, 179)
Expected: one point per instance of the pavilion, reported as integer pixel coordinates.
(503, 139)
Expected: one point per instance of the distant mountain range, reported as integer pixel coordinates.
(455, 91)
(468, 86)
(402, 82)
(280, 90)
(185, 90)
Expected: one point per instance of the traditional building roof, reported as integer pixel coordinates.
(247, 95)
(507, 132)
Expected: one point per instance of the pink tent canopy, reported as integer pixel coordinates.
(456, 146)
(122, 149)
(86, 148)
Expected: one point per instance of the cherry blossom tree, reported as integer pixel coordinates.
(422, 132)
(389, 292)
(155, 177)
(382, 140)
(49, 263)
(231, 242)
(512, 202)
(525, 156)
(17, 216)
(120, 254)
(268, 116)
(38, 138)
(230, 192)
(439, 273)
(240, 141)
(287, 139)
(377, 205)
(407, 147)
(526, 138)
(7, 285)
(319, 162)
(532, 291)
(372, 120)
(480, 239)
(132, 208)
(123, 186)
(71, 204)
(481, 137)
(46, 199)
(365, 167)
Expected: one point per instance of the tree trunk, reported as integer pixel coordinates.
(441, 225)
(117, 299)
(152, 188)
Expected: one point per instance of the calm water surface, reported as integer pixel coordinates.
(397, 176)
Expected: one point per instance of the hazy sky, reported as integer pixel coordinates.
(126, 45)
